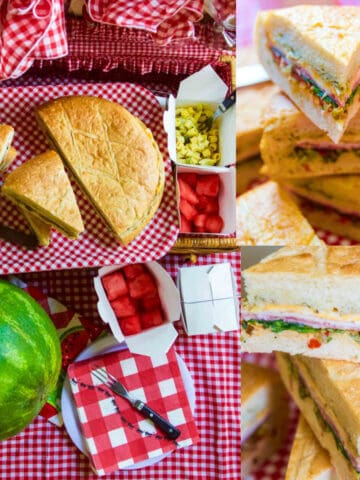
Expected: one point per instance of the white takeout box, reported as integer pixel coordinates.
(204, 86)
(209, 299)
(152, 341)
(226, 198)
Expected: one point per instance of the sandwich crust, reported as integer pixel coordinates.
(307, 458)
(266, 215)
(324, 434)
(42, 186)
(6, 137)
(112, 155)
(41, 229)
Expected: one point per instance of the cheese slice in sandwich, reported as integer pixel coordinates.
(266, 215)
(313, 54)
(264, 413)
(42, 187)
(327, 394)
(113, 157)
(308, 460)
(250, 103)
(304, 300)
(336, 191)
(293, 147)
(41, 229)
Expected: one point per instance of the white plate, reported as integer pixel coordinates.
(69, 412)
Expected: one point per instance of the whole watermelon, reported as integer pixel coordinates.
(30, 359)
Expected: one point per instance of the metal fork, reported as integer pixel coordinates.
(115, 386)
(222, 108)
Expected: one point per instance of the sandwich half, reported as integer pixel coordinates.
(327, 394)
(113, 157)
(41, 229)
(308, 460)
(336, 191)
(41, 186)
(313, 54)
(293, 147)
(6, 137)
(304, 300)
(264, 414)
(266, 215)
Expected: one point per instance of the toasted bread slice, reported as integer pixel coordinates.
(41, 229)
(43, 188)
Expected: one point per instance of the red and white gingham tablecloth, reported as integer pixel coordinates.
(45, 452)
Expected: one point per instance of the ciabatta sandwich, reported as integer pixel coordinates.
(304, 300)
(313, 54)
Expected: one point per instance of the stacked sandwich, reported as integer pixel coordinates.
(304, 304)
(310, 140)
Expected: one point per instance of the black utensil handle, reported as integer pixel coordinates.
(169, 429)
(229, 101)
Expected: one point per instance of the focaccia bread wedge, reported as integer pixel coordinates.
(307, 458)
(42, 187)
(313, 54)
(8, 159)
(6, 137)
(303, 300)
(266, 215)
(293, 147)
(112, 155)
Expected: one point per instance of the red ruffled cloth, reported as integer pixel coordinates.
(166, 20)
(33, 29)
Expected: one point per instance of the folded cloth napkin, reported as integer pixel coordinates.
(31, 29)
(116, 434)
(166, 20)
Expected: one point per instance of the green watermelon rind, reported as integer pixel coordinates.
(30, 359)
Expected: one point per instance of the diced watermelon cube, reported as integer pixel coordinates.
(142, 286)
(214, 224)
(152, 318)
(189, 178)
(187, 209)
(130, 325)
(187, 193)
(151, 302)
(123, 306)
(185, 225)
(114, 285)
(208, 185)
(132, 271)
(199, 220)
(208, 204)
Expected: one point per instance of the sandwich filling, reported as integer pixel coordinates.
(305, 391)
(329, 101)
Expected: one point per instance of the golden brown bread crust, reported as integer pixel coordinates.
(6, 137)
(307, 458)
(254, 377)
(250, 103)
(8, 159)
(41, 184)
(266, 215)
(41, 229)
(331, 260)
(113, 157)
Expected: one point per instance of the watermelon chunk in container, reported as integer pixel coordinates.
(156, 287)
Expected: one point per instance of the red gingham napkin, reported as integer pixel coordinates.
(166, 20)
(116, 434)
(29, 30)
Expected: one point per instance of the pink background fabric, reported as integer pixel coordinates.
(246, 12)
